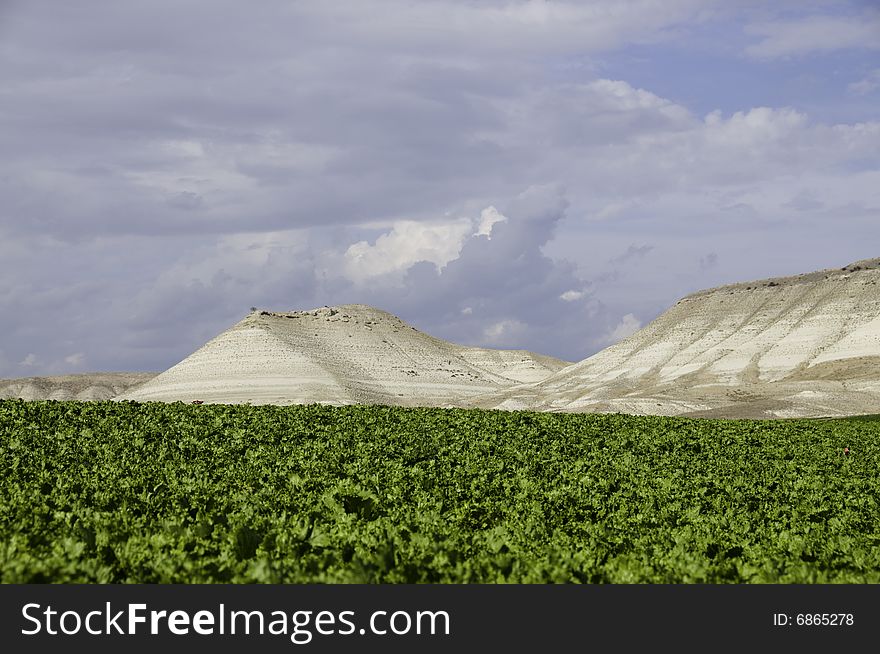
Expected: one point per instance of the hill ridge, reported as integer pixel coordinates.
(863, 265)
(808, 346)
(339, 354)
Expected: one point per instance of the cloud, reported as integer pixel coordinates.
(627, 326)
(866, 85)
(29, 361)
(633, 252)
(462, 164)
(709, 261)
(76, 359)
(503, 332)
(572, 295)
(498, 291)
(502, 27)
(488, 217)
(407, 243)
(747, 148)
(185, 200)
(227, 120)
(804, 201)
(817, 33)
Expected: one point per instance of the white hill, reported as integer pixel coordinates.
(87, 386)
(798, 346)
(339, 355)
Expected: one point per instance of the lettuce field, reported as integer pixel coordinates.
(125, 492)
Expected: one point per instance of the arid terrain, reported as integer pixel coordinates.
(340, 355)
(87, 386)
(801, 346)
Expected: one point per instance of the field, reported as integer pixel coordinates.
(126, 492)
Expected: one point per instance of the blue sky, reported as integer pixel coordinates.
(548, 175)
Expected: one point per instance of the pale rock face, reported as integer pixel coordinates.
(790, 347)
(340, 355)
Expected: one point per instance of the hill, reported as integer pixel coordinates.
(801, 346)
(348, 354)
(87, 386)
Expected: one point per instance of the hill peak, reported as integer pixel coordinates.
(359, 312)
(343, 354)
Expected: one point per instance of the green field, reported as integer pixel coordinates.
(125, 492)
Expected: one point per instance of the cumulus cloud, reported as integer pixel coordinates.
(502, 291)
(407, 243)
(488, 217)
(748, 147)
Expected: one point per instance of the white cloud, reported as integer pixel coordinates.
(815, 34)
(29, 361)
(627, 326)
(488, 217)
(572, 116)
(407, 243)
(760, 147)
(572, 296)
(748, 129)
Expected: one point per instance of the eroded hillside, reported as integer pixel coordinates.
(340, 355)
(800, 346)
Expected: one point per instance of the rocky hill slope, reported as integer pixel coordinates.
(340, 355)
(800, 346)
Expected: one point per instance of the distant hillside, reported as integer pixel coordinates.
(339, 355)
(800, 346)
(807, 345)
(92, 386)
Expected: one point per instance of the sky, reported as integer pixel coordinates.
(537, 174)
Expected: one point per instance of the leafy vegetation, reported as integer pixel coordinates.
(125, 492)
(869, 418)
